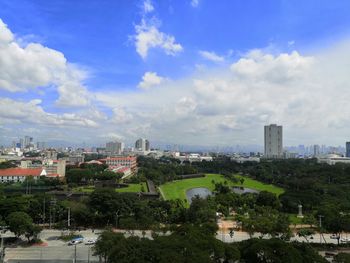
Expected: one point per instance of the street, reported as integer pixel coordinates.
(54, 248)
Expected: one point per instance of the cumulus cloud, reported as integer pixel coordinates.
(148, 36)
(149, 80)
(31, 112)
(36, 66)
(212, 56)
(308, 94)
(147, 6)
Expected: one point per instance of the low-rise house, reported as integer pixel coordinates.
(19, 174)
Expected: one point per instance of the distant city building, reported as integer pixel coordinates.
(245, 159)
(54, 168)
(142, 145)
(114, 147)
(316, 150)
(347, 153)
(28, 141)
(41, 145)
(74, 158)
(290, 155)
(50, 154)
(273, 141)
(191, 157)
(332, 159)
(21, 142)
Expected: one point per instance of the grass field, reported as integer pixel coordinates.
(132, 188)
(177, 189)
(295, 220)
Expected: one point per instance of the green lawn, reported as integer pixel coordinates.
(177, 189)
(132, 188)
(295, 220)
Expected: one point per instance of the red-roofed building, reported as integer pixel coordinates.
(126, 171)
(18, 174)
(129, 162)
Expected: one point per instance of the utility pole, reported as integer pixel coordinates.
(75, 253)
(44, 212)
(50, 218)
(116, 218)
(68, 217)
(1, 247)
(88, 254)
(320, 220)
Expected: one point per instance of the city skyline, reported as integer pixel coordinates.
(141, 75)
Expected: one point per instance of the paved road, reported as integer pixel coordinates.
(58, 249)
(51, 253)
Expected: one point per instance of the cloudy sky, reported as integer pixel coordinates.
(195, 72)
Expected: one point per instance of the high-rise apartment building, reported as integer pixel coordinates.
(41, 145)
(142, 145)
(28, 141)
(273, 141)
(114, 147)
(316, 150)
(347, 153)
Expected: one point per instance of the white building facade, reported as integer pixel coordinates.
(273, 141)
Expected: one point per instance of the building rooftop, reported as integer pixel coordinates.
(21, 172)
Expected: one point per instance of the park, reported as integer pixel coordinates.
(177, 189)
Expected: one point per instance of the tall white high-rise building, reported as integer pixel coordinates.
(142, 145)
(273, 141)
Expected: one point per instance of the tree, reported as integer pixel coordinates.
(266, 221)
(201, 211)
(32, 232)
(21, 223)
(342, 258)
(277, 251)
(267, 199)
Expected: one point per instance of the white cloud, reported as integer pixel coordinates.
(149, 80)
(194, 3)
(307, 94)
(211, 56)
(148, 6)
(148, 36)
(36, 66)
(13, 111)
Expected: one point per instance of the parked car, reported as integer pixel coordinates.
(90, 241)
(344, 240)
(334, 236)
(75, 241)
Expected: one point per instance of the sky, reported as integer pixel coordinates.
(189, 72)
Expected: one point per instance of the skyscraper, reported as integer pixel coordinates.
(27, 141)
(114, 147)
(273, 141)
(142, 145)
(316, 150)
(347, 149)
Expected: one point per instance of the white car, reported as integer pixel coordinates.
(334, 236)
(344, 240)
(90, 241)
(75, 241)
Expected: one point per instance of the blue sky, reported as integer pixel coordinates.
(183, 42)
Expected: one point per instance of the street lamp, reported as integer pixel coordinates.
(320, 219)
(116, 218)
